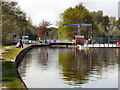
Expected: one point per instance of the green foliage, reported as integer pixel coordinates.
(13, 22)
(115, 33)
(112, 20)
(118, 23)
(101, 25)
(78, 14)
(30, 31)
(106, 22)
(98, 16)
(53, 34)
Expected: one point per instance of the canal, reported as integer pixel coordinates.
(46, 67)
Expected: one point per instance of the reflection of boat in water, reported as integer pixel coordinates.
(87, 46)
(80, 47)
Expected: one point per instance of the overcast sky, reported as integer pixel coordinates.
(50, 10)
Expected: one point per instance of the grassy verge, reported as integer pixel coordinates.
(58, 46)
(9, 76)
(3, 46)
(11, 52)
(0, 46)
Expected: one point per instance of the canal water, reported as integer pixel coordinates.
(46, 67)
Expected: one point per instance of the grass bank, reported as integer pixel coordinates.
(9, 76)
(11, 52)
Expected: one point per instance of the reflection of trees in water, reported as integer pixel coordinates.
(118, 54)
(25, 63)
(42, 56)
(78, 68)
(73, 68)
(104, 57)
(38, 54)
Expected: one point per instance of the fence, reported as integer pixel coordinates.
(105, 39)
(101, 45)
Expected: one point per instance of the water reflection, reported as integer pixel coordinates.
(25, 64)
(69, 67)
(85, 64)
(42, 55)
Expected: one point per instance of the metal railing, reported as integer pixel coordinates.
(101, 45)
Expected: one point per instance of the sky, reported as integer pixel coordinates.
(50, 10)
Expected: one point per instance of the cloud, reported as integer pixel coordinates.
(51, 9)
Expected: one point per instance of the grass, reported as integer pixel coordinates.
(9, 76)
(11, 53)
(3, 46)
(58, 46)
(0, 46)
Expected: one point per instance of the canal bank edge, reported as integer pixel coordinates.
(18, 60)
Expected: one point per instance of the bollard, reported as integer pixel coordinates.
(118, 43)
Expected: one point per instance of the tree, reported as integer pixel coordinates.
(76, 15)
(113, 22)
(13, 21)
(98, 16)
(42, 30)
(53, 33)
(106, 22)
(118, 24)
(115, 33)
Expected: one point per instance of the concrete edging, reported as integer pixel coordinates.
(17, 62)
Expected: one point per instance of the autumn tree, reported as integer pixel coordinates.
(42, 30)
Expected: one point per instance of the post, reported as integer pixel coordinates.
(87, 44)
(114, 40)
(79, 31)
(99, 41)
(108, 41)
(67, 45)
(91, 33)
